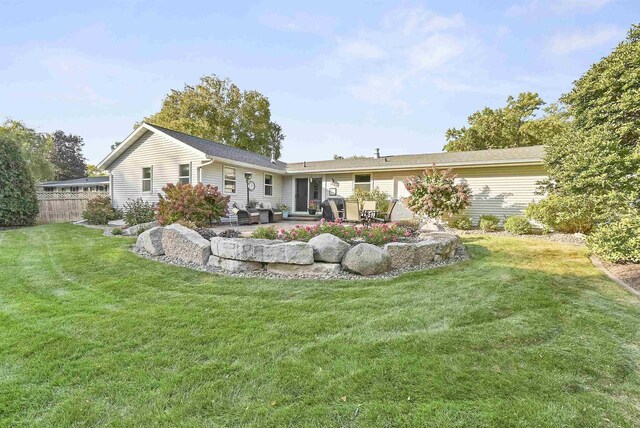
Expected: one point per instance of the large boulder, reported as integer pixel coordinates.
(328, 248)
(367, 259)
(236, 266)
(403, 254)
(442, 244)
(185, 244)
(262, 250)
(316, 269)
(138, 228)
(425, 252)
(151, 241)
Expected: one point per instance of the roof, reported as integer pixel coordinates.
(220, 150)
(103, 179)
(519, 155)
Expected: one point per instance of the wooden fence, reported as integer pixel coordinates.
(59, 207)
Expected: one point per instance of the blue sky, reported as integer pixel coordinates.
(342, 77)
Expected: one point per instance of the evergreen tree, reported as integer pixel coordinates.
(18, 202)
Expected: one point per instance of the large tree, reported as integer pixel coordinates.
(216, 109)
(18, 203)
(67, 156)
(600, 156)
(36, 148)
(518, 124)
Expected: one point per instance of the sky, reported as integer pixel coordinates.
(343, 77)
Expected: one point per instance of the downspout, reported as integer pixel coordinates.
(203, 163)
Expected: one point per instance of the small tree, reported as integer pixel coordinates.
(436, 194)
(201, 204)
(18, 202)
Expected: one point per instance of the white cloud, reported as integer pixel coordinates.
(414, 20)
(435, 52)
(362, 49)
(300, 22)
(555, 6)
(566, 43)
(382, 89)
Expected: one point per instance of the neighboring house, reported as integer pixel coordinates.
(84, 184)
(503, 181)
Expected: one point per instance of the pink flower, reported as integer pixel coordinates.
(407, 234)
(371, 235)
(308, 228)
(394, 239)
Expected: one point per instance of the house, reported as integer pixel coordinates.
(503, 181)
(84, 184)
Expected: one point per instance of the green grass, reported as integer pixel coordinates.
(526, 333)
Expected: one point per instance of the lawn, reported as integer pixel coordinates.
(526, 333)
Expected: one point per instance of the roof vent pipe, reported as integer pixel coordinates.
(377, 155)
(304, 164)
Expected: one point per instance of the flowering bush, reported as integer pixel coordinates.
(436, 194)
(376, 234)
(100, 211)
(138, 211)
(201, 204)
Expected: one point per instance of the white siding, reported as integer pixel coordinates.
(151, 150)
(212, 174)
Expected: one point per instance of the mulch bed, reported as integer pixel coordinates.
(627, 273)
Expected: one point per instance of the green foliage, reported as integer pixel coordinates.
(138, 211)
(93, 171)
(37, 148)
(265, 232)
(187, 223)
(18, 203)
(67, 156)
(460, 222)
(567, 214)
(116, 231)
(381, 198)
(435, 194)
(617, 241)
(216, 109)
(201, 204)
(489, 223)
(518, 225)
(283, 207)
(100, 211)
(515, 125)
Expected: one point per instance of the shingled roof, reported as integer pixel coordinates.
(212, 148)
(103, 179)
(519, 155)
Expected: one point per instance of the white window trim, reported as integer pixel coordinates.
(353, 178)
(145, 179)
(224, 179)
(264, 190)
(184, 176)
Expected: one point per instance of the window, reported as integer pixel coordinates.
(268, 185)
(362, 182)
(229, 179)
(146, 179)
(49, 189)
(74, 188)
(184, 173)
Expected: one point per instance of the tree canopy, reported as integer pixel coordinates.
(36, 148)
(216, 109)
(515, 125)
(67, 156)
(18, 203)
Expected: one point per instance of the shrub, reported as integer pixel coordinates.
(517, 225)
(435, 194)
(100, 211)
(489, 223)
(18, 202)
(187, 223)
(201, 204)
(230, 233)
(460, 222)
(568, 214)
(265, 232)
(116, 231)
(138, 211)
(381, 198)
(617, 241)
(206, 233)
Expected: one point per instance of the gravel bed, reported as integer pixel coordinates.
(461, 255)
(106, 229)
(566, 238)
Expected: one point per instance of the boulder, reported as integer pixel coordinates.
(236, 266)
(425, 252)
(367, 259)
(262, 250)
(138, 228)
(151, 241)
(328, 248)
(185, 244)
(403, 254)
(316, 269)
(443, 242)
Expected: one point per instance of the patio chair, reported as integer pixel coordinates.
(231, 217)
(274, 214)
(387, 216)
(336, 213)
(352, 211)
(245, 216)
(369, 206)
